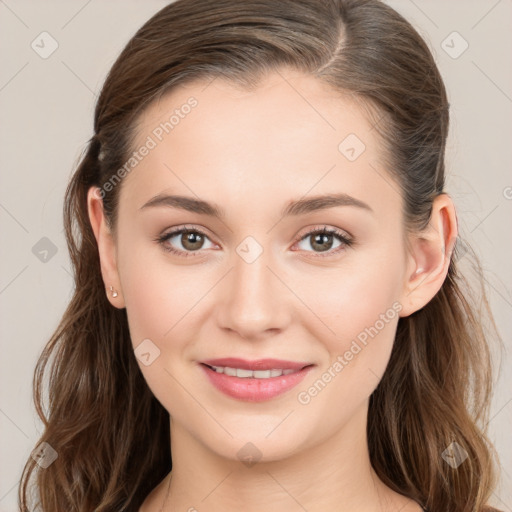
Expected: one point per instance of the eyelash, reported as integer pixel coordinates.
(346, 242)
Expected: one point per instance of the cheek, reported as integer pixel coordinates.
(158, 301)
(157, 293)
(359, 311)
(354, 296)
(360, 314)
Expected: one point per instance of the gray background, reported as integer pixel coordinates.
(46, 107)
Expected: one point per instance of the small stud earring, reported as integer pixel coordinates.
(114, 292)
(419, 270)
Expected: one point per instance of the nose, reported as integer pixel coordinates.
(256, 300)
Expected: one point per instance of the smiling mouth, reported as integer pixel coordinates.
(253, 374)
(255, 384)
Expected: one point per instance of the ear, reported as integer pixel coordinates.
(429, 256)
(106, 247)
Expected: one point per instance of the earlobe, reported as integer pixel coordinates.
(106, 248)
(430, 255)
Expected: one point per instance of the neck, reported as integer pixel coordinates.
(332, 475)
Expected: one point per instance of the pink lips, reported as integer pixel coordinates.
(253, 389)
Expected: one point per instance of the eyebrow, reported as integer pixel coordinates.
(298, 207)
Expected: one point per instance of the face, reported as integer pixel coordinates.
(321, 286)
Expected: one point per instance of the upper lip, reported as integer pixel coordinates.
(259, 364)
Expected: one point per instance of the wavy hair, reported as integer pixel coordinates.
(100, 416)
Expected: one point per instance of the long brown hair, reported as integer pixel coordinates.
(109, 431)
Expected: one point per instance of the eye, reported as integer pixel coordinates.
(323, 240)
(190, 239)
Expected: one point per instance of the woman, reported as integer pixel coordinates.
(265, 282)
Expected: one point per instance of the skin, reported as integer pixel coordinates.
(252, 153)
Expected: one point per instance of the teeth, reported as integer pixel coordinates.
(256, 374)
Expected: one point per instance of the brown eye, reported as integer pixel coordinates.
(183, 241)
(323, 240)
(191, 240)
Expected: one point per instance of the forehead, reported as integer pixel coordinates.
(285, 106)
(290, 135)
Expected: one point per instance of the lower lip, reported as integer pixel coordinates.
(254, 390)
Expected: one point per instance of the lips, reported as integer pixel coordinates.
(259, 364)
(247, 388)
